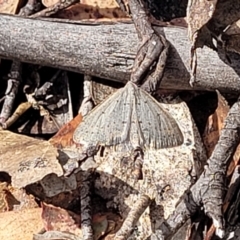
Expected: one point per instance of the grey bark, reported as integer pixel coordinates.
(108, 51)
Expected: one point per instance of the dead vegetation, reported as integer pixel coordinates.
(56, 182)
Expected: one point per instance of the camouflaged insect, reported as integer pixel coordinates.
(131, 118)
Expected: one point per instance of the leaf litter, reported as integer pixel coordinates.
(67, 140)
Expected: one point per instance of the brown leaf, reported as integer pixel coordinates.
(90, 3)
(20, 225)
(101, 3)
(198, 14)
(215, 124)
(59, 219)
(64, 137)
(26, 159)
(10, 200)
(233, 37)
(18, 199)
(91, 10)
(15, 199)
(107, 10)
(9, 6)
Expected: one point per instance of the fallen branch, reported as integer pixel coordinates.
(108, 51)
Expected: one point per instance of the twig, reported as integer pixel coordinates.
(22, 108)
(11, 91)
(86, 213)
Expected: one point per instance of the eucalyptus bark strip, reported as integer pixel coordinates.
(108, 51)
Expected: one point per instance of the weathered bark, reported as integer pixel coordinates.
(108, 51)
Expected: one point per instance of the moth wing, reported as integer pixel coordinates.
(105, 123)
(158, 127)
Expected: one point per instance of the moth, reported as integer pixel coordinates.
(129, 118)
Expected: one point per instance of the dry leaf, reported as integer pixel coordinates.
(3, 203)
(101, 3)
(213, 128)
(215, 124)
(90, 3)
(9, 6)
(91, 10)
(20, 225)
(59, 219)
(53, 185)
(27, 160)
(64, 137)
(91, 13)
(14, 199)
(232, 34)
(198, 14)
(209, 19)
(11, 201)
(18, 199)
